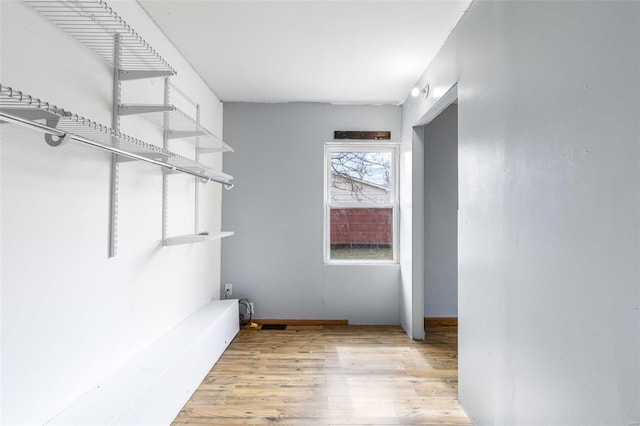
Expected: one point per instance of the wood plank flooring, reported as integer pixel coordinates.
(331, 375)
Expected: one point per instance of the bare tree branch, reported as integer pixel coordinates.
(354, 170)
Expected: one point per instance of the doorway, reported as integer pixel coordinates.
(435, 215)
(440, 218)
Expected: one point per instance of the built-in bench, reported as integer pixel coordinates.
(153, 387)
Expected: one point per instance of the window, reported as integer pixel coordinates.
(361, 203)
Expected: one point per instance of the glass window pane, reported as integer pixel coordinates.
(361, 177)
(361, 234)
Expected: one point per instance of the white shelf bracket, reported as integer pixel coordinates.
(142, 74)
(126, 109)
(179, 134)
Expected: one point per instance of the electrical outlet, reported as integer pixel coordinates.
(251, 308)
(228, 290)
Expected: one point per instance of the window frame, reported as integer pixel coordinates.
(394, 203)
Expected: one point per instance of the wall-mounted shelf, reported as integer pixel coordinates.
(180, 125)
(59, 124)
(195, 238)
(95, 24)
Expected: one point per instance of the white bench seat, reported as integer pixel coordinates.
(153, 387)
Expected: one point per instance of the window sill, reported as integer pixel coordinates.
(362, 263)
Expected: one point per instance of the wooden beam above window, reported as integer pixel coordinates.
(357, 134)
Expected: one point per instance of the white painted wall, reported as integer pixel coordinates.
(276, 209)
(441, 215)
(69, 315)
(549, 220)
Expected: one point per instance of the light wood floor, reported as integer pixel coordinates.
(331, 376)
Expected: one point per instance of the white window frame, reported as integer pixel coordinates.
(394, 204)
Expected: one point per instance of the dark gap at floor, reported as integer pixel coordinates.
(273, 327)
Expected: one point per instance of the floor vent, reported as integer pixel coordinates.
(273, 327)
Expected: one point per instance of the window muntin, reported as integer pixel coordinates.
(361, 203)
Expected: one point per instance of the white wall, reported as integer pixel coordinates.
(276, 209)
(441, 215)
(549, 220)
(69, 315)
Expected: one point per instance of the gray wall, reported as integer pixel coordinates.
(549, 219)
(276, 209)
(441, 215)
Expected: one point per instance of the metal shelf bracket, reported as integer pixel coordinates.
(49, 138)
(127, 109)
(143, 74)
(179, 134)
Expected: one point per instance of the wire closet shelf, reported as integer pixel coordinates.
(178, 125)
(22, 109)
(95, 24)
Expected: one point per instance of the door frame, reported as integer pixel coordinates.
(417, 185)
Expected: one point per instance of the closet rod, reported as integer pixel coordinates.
(53, 131)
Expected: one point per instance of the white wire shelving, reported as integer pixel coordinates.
(95, 24)
(178, 125)
(59, 124)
